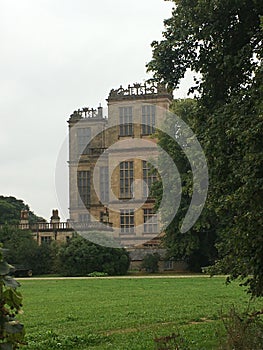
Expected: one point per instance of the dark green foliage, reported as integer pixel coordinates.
(197, 38)
(150, 262)
(197, 246)
(45, 258)
(239, 196)
(222, 41)
(24, 252)
(10, 209)
(79, 257)
(11, 331)
(20, 245)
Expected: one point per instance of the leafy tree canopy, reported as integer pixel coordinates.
(23, 251)
(221, 41)
(150, 262)
(197, 246)
(10, 209)
(80, 257)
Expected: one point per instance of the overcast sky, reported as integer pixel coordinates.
(58, 56)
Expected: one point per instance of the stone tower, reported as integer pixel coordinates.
(110, 174)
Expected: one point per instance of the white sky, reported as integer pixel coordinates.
(58, 56)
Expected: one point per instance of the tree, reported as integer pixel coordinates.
(20, 245)
(197, 246)
(227, 56)
(10, 209)
(45, 259)
(80, 257)
(226, 53)
(23, 251)
(150, 262)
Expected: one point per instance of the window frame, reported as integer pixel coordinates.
(148, 120)
(126, 179)
(46, 239)
(84, 218)
(127, 221)
(126, 121)
(150, 221)
(104, 184)
(83, 139)
(149, 176)
(84, 188)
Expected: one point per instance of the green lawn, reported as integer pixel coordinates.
(124, 314)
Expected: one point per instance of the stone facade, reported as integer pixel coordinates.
(46, 232)
(110, 174)
(109, 163)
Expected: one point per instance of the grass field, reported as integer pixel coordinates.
(125, 314)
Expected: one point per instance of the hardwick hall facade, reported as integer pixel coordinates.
(110, 164)
(110, 175)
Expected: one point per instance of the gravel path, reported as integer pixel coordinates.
(112, 277)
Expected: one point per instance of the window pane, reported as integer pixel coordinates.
(126, 126)
(149, 177)
(148, 119)
(83, 139)
(150, 221)
(127, 220)
(83, 179)
(126, 179)
(104, 184)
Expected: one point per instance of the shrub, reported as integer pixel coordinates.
(24, 251)
(80, 257)
(244, 331)
(11, 331)
(150, 262)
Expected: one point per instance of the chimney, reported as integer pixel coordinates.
(100, 112)
(54, 218)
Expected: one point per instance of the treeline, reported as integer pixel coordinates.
(10, 209)
(77, 257)
(226, 56)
